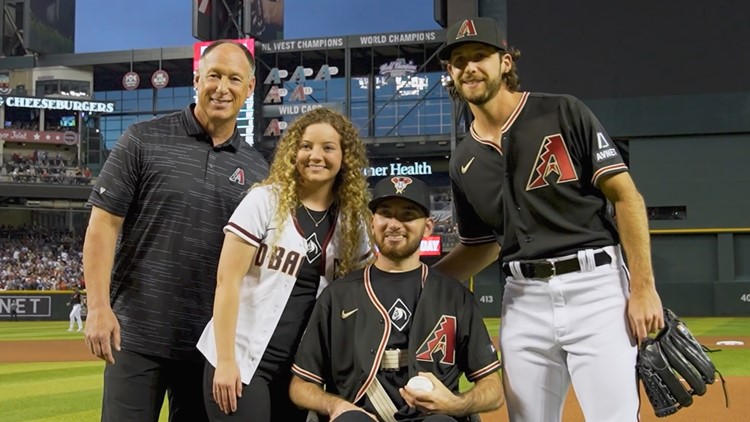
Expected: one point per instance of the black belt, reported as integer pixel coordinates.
(543, 269)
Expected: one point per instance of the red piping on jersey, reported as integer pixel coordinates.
(604, 170)
(383, 341)
(484, 141)
(324, 246)
(506, 126)
(386, 321)
(303, 373)
(425, 270)
(297, 226)
(515, 113)
(494, 366)
(245, 233)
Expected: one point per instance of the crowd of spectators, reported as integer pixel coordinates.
(43, 167)
(27, 125)
(33, 258)
(49, 126)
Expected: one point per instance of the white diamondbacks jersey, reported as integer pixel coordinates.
(270, 279)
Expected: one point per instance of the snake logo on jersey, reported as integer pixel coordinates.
(553, 157)
(441, 341)
(400, 315)
(314, 250)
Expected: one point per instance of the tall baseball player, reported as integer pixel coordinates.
(371, 332)
(75, 313)
(289, 237)
(536, 171)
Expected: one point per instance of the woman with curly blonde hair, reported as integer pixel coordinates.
(293, 233)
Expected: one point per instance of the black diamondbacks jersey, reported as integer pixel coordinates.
(556, 151)
(476, 171)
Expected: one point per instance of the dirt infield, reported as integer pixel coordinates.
(709, 408)
(44, 351)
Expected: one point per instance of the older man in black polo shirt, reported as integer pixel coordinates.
(168, 188)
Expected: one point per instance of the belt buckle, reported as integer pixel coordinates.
(550, 270)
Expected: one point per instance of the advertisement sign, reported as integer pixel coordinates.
(131, 80)
(400, 169)
(57, 104)
(160, 79)
(395, 38)
(26, 306)
(39, 137)
(431, 246)
(303, 45)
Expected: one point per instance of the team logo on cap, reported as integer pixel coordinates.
(400, 183)
(467, 29)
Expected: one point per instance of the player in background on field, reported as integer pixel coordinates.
(374, 330)
(75, 313)
(535, 173)
(292, 234)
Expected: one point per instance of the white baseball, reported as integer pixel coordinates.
(420, 383)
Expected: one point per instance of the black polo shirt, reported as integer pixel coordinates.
(176, 192)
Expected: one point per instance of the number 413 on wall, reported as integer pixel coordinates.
(745, 297)
(491, 299)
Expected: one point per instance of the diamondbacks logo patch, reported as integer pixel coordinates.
(400, 315)
(238, 176)
(314, 250)
(467, 29)
(553, 157)
(440, 345)
(400, 183)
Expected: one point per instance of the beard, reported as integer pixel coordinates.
(492, 87)
(398, 252)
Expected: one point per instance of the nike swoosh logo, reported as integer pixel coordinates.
(466, 167)
(345, 315)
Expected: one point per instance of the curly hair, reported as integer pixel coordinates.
(350, 192)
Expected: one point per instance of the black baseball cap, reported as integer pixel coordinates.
(482, 30)
(403, 187)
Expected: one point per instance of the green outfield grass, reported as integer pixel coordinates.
(53, 391)
(71, 391)
(37, 330)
